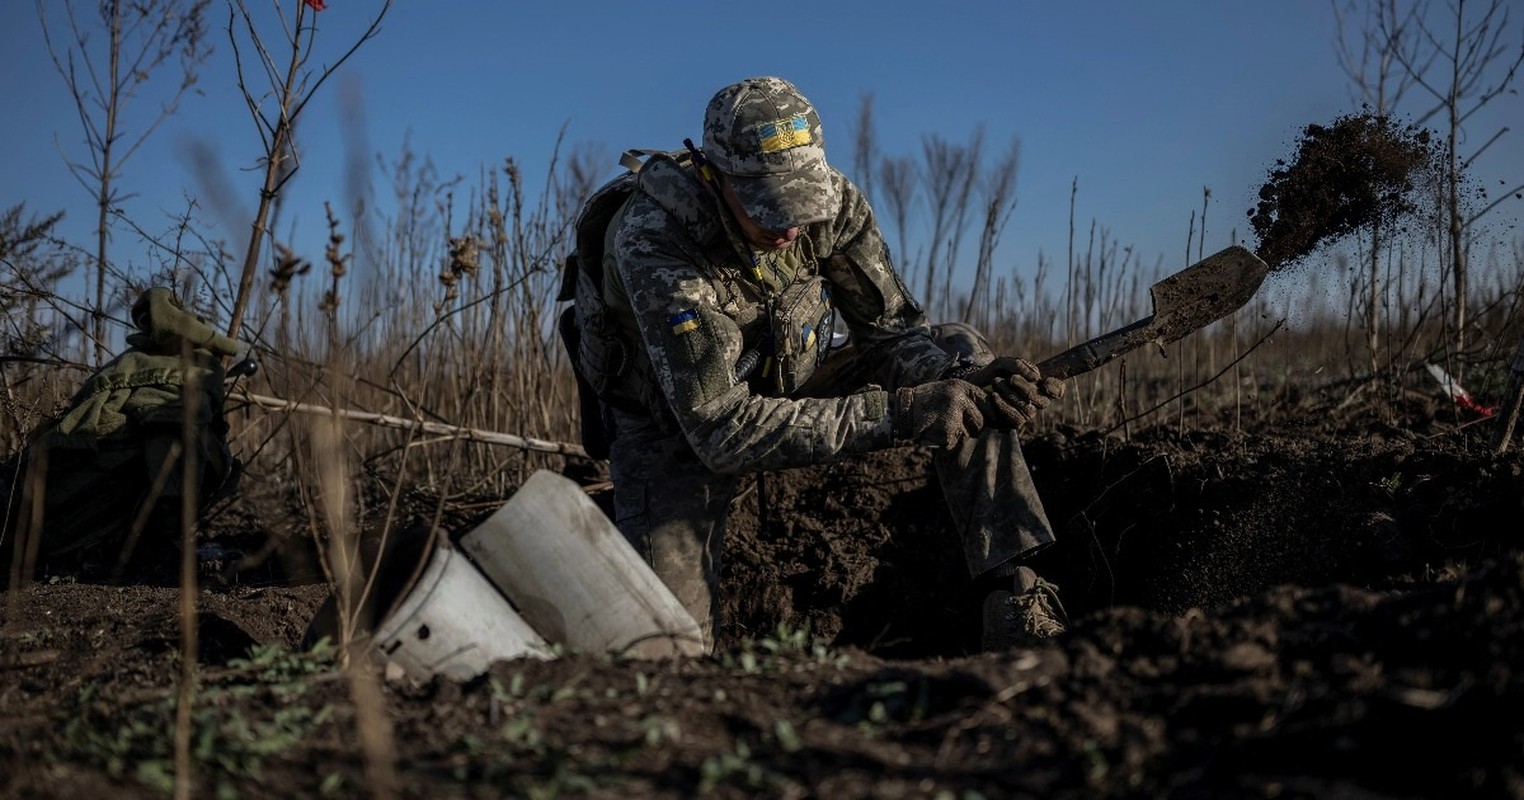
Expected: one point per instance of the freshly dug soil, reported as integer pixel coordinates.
(1330, 608)
(1360, 170)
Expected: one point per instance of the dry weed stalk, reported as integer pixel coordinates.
(337, 500)
(190, 648)
(333, 483)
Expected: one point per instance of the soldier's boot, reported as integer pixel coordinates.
(1024, 615)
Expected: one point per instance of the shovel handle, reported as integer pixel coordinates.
(1082, 358)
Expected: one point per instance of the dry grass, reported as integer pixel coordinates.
(447, 317)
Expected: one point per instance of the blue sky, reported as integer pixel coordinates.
(1144, 103)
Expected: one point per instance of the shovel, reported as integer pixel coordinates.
(1184, 302)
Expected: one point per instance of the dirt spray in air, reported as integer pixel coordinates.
(1361, 169)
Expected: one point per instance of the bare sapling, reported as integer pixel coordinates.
(290, 88)
(951, 172)
(1462, 58)
(104, 78)
(997, 188)
(1368, 57)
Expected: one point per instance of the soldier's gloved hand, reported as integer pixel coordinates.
(1018, 390)
(940, 413)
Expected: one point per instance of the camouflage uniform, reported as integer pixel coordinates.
(680, 281)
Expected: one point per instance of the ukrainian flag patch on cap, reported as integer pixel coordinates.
(683, 321)
(784, 133)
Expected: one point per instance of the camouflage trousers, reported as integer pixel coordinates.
(673, 508)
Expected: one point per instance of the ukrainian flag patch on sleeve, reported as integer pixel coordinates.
(784, 133)
(683, 321)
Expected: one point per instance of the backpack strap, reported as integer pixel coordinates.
(596, 212)
(635, 158)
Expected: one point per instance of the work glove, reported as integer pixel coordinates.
(1017, 390)
(940, 413)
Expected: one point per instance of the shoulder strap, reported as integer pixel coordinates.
(597, 212)
(635, 158)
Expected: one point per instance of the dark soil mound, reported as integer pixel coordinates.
(1165, 522)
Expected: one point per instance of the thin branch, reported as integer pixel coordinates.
(415, 425)
(370, 33)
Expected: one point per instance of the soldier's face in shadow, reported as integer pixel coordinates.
(758, 236)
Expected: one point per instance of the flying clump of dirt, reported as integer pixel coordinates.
(1361, 169)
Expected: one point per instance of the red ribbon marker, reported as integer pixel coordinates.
(1461, 397)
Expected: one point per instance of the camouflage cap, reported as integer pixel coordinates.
(766, 138)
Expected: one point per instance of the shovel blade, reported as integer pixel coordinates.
(1186, 301)
(1205, 292)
